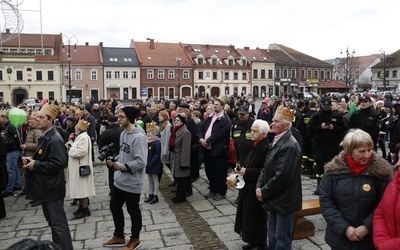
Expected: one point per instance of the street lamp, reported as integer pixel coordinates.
(69, 40)
(347, 76)
(384, 70)
(178, 62)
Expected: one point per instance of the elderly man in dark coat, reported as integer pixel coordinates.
(279, 184)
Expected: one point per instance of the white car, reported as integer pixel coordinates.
(307, 95)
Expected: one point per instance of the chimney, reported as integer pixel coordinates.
(8, 32)
(101, 44)
(207, 46)
(151, 43)
(247, 48)
(86, 43)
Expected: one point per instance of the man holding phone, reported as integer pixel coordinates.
(327, 128)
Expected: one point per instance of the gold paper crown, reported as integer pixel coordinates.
(83, 124)
(151, 126)
(285, 113)
(154, 106)
(50, 110)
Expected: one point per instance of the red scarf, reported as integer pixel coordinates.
(256, 142)
(357, 167)
(171, 142)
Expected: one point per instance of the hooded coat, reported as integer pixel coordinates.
(348, 199)
(386, 222)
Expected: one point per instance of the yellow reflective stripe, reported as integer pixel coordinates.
(248, 136)
(319, 175)
(306, 120)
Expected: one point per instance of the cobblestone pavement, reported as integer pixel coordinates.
(198, 224)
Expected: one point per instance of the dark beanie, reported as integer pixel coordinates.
(203, 101)
(72, 119)
(112, 119)
(131, 113)
(183, 119)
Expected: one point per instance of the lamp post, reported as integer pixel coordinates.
(68, 40)
(347, 66)
(384, 70)
(178, 62)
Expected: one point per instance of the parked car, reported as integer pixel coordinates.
(314, 94)
(307, 95)
(334, 94)
(31, 103)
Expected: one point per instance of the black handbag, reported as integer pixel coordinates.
(84, 170)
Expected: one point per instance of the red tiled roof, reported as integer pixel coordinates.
(162, 55)
(392, 60)
(84, 55)
(255, 55)
(303, 58)
(208, 50)
(33, 40)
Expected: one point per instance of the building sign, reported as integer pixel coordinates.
(144, 91)
(311, 80)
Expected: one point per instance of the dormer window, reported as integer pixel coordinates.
(214, 61)
(244, 62)
(230, 62)
(200, 61)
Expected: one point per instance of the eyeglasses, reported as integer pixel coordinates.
(122, 116)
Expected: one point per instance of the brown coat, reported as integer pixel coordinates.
(31, 141)
(180, 156)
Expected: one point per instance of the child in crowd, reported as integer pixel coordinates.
(154, 165)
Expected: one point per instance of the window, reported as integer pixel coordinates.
(244, 90)
(230, 62)
(244, 62)
(226, 75)
(133, 74)
(328, 75)
(47, 52)
(322, 74)
(39, 76)
(235, 76)
(226, 90)
(116, 75)
(278, 73)
(171, 74)
(67, 74)
(214, 77)
(285, 73)
(263, 74)
(255, 73)
(150, 74)
(1, 96)
(270, 74)
(309, 74)
(293, 74)
(201, 75)
(78, 75)
(19, 75)
(39, 52)
(214, 61)
(186, 74)
(108, 74)
(200, 61)
(93, 75)
(302, 74)
(394, 73)
(1, 75)
(51, 95)
(244, 76)
(315, 74)
(29, 69)
(125, 75)
(50, 75)
(39, 95)
(160, 74)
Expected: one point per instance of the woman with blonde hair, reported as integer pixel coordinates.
(79, 154)
(351, 189)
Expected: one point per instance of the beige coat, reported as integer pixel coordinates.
(80, 153)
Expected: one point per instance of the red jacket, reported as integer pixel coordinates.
(386, 222)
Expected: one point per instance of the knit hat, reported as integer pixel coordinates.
(203, 101)
(131, 113)
(72, 119)
(182, 118)
(112, 119)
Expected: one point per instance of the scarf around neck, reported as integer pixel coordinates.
(171, 142)
(357, 167)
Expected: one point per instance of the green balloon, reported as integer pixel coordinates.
(17, 116)
(140, 123)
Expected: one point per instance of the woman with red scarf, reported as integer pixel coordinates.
(351, 189)
(179, 146)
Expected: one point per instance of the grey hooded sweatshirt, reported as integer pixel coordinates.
(133, 159)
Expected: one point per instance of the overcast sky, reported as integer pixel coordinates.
(319, 28)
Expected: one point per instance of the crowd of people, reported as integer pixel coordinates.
(333, 140)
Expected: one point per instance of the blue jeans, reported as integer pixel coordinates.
(14, 179)
(280, 231)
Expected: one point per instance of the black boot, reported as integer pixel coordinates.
(149, 198)
(154, 200)
(78, 210)
(83, 213)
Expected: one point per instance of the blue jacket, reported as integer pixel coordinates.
(154, 165)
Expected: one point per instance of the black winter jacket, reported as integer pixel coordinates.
(348, 199)
(219, 139)
(326, 137)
